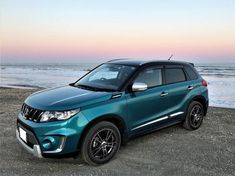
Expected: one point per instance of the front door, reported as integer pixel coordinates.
(147, 108)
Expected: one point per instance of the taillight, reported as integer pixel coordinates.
(204, 83)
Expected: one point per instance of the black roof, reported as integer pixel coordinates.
(133, 62)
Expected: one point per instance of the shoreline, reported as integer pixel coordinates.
(35, 88)
(16, 86)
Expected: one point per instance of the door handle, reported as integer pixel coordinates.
(190, 87)
(163, 94)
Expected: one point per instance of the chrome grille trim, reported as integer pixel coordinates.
(30, 113)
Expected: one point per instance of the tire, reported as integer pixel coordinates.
(101, 143)
(194, 117)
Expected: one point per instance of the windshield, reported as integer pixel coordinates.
(106, 77)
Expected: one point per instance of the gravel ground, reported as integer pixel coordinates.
(209, 150)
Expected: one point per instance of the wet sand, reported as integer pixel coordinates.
(210, 150)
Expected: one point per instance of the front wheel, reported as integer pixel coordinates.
(194, 116)
(101, 143)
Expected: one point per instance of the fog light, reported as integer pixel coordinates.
(48, 143)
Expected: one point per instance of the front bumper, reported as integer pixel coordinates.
(36, 151)
(50, 139)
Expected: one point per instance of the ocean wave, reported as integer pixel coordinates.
(221, 78)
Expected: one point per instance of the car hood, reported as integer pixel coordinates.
(65, 98)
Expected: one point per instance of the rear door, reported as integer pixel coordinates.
(177, 89)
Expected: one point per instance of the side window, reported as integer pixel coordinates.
(191, 73)
(150, 76)
(173, 75)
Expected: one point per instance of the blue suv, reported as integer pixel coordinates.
(109, 105)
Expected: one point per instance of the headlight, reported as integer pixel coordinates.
(57, 115)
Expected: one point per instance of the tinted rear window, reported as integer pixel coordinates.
(191, 73)
(173, 75)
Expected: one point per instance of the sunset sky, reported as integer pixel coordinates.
(81, 31)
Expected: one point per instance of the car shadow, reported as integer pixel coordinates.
(146, 138)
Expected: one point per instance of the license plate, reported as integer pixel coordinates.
(23, 134)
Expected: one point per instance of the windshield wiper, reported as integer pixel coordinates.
(93, 88)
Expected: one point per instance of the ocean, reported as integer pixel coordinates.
(220, 78)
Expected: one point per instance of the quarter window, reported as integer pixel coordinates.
(191, 73)
(150, 76)
(173, 75)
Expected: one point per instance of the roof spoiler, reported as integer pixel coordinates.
(191, 64)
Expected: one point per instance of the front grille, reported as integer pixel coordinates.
(30, 113)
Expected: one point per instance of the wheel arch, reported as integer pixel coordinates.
(202, 100)
(113, 118)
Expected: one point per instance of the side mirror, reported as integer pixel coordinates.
(138, 86)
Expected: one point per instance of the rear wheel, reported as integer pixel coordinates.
(194, 116)
(101, 143)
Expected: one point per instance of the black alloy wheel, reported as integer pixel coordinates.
(194, 117)
(101, 143)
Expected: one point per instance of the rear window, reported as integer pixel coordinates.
(173, 75)
(191, 73)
